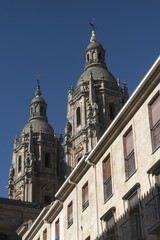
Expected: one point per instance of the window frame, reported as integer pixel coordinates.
(78, 116)
(47, 199)
(45, 234)
(47, 160)
(153, 126)
(70, 219)
(88, 238)
(85, 202)
(107, 182)
(129, 156)
(112, 111)
(19, 164)
(57, 233)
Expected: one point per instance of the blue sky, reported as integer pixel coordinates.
(48, 38)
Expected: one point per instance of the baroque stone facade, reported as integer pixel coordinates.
(93, 104)
(37, 165)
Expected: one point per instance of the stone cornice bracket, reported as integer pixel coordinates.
(89, 163)
(60, 201)
(73, 183)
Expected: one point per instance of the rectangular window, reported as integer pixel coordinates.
(129, 154)
(85, 198)
(45, 234)
(107, 178)
(110, 226)
(132, 227)
(133, 203)
(108, 218)
(155, 122)
(47, 200)
(47, 160)
(70, 214)
(88, 238)
(57, 230)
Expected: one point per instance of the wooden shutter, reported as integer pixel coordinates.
(57, 229)
(155, 111)
(106, 169)
(70, 211)
(45, 234)
(129, 143)
(85, 193)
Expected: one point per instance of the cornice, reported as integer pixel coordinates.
(151, 79)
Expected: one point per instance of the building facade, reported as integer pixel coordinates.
(13, 213)
(37, 169)
(92, 105)
(113, 191)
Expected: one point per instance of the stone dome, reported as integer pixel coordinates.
(37, 100)
(95, 63)
(98, 72)
(38, 118)
(37, 126)
(93, 45)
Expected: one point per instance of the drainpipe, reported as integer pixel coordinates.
(95, 174)
(76, 204)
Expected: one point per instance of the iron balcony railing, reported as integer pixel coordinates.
(85, 205)
(107, 188)
(156, 135)
(153, 214)
(70, 222)
(132, 228)
(130, 164)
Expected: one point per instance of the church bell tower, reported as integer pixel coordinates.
(37, 165)
(92, 105)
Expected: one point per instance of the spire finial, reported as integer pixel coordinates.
(38, 92)
(93, 37)
(92, 24)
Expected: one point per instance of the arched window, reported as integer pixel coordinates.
(41, 109)
(47, 200)
(47, 160)
(78, 116)
(87, 57)
(99, 56)
(19, 163)
(94, 55)
(79, 159)
(112, 111)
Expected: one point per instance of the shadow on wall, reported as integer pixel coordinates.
(140, 221)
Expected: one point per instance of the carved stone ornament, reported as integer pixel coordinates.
(78, 149)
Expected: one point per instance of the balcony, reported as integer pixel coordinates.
(131, 229)
(153, 214)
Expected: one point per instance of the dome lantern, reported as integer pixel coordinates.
(38, 106)
(95, 53)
